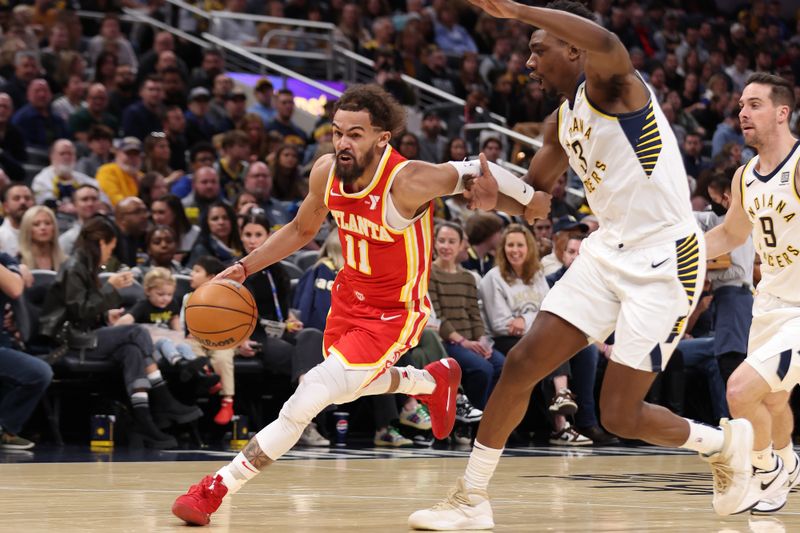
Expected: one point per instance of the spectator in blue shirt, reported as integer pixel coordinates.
(729, 130)
(144, 116)
(450, 35)
(263, 106)
(39, 126)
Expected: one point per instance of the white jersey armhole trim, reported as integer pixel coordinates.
(392, 218)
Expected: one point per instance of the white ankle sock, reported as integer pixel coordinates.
(155, 378)
(703, 438)
(787, 454)
(415, 381)
(236, 473)
(482, 463)
(763, 459)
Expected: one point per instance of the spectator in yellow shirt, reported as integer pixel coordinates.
(120, 179)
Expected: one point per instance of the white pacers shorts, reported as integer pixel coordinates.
(774, 346)
(644, 295)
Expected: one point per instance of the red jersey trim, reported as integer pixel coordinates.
(376, 178)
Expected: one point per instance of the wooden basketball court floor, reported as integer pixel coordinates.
(535, 489)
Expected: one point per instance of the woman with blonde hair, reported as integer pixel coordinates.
(38, 239)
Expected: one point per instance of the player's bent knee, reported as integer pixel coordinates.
(521, 368)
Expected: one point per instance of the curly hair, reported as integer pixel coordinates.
(385, 113)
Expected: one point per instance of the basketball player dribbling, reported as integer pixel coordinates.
(379, 303)
(765, 201)
(639, 275)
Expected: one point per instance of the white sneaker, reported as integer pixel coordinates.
(568, 436)
(466, 412)
(312, 437)
(462, 509)
(776, 503)
(731, 467)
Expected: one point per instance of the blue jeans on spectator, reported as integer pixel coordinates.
(23, 381)
(478, 375)
(699, 354)
(172, 351)
(583, 367)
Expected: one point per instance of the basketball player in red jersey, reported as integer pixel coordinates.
(379, 304)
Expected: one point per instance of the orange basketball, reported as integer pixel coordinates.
(221, 314)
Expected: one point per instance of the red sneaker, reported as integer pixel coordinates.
(196, 506)
(442, 401)
(225, 413)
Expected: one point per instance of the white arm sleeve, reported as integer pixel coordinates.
(507, 183)
(511, 185)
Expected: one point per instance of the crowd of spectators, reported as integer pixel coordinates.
(123, 122)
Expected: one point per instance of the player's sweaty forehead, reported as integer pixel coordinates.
(352, 122)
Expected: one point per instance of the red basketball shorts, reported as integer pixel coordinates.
(365, 336)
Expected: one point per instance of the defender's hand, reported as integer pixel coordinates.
(539, 206)
(481, 191)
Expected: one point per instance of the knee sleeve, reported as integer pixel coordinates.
(323, 385)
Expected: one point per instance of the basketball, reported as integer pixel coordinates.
(221, 314)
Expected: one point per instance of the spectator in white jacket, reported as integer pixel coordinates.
(513, 290)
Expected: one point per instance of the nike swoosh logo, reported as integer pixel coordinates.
(656, 265)
(749, 183)
(387, 318)
(765, 487)
(256, 471)
(335, 194)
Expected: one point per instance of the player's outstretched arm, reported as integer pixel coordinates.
(293, 235)
(733, 232)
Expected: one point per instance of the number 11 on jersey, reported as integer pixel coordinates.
(362, 265)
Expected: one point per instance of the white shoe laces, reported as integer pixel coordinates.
(455, 499)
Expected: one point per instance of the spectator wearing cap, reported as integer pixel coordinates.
(282, 124)
(99, 141)
(199, 127)
(202, 154)
(120, 179)
(95, 112)
(564, 228)
(728, 131)
(433, 143)
(144, 116)
(235, 110)
(263, 106)
(26, 69)
(483, 235)
(55, 184)
(39, 126)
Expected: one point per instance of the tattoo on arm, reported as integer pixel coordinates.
(255, 455)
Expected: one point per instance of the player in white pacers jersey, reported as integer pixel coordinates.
(640, 275)
(766, 201)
